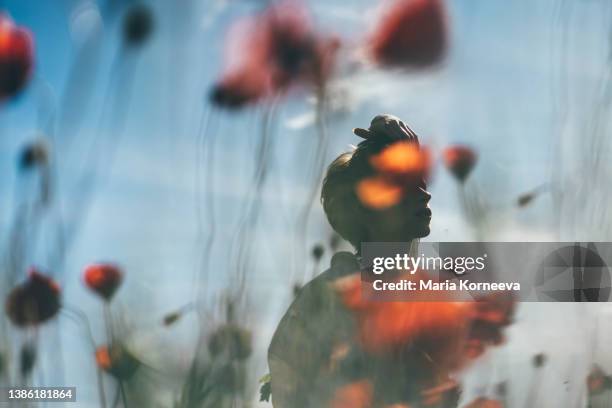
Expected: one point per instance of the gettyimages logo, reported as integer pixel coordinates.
(573, 273)
(528, 271)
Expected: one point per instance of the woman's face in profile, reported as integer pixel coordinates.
(407, 220)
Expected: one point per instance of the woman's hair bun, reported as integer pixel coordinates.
(387, 128)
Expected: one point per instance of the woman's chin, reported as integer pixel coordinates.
(423, 231)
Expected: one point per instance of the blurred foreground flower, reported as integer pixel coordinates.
(410, 34)
(33, 302)
(378, 193)
(598, 381)
(270, 52)
(104, 279)
(404, 162)
(444, 330)
(399, 167)
(460, 160)
(355, 395)
(16, 57)
(117, 360)
(484, 403)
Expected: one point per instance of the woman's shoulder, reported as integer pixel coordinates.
(318, 298)
(342, 264)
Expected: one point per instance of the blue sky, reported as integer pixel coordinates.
(518, 77)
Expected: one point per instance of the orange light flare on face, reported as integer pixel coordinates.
(460, 161)
(270, 52)
(378, 193)
(410, 34)
(403, 161)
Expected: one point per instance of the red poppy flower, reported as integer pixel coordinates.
(354, 395)
(485, 403)
(598, 381)
(412, 33)
(103, 279)
(16, 57)
(452, 333)
(460, 160)
(117, 361)
(33, 302)
(271, 51)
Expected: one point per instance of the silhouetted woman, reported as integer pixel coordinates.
(309, 353)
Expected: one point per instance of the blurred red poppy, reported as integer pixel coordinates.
(411, 33)
(598, 381)
(33, 302)
(460, 160)
(16, 57)
(451, 333)
(354, 395)
(117, 361)
(484, 403)
(104, 279)
(271, 51)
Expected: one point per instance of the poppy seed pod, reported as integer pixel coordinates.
(33, 155)
(33, 302)
(16, 57)
(138, 25)
(460, 161)
(317, 252)
(104, 279)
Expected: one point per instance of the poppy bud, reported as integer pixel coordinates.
(138, 25)
(117, 361)
(317, 252)
(460, 160)
(539, 360)
(34, 154)
(16, 57)
(34, 301)
(172, 318)
(525, 199)
(103, 279)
